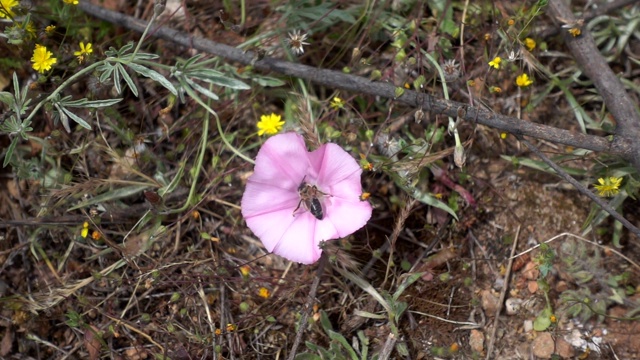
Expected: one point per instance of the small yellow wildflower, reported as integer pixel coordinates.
(30, 28)
(553, 319)
(365, 196)
(511, 22)
(231, 328)
(218, 332)
(42, 59)
(495, 63)
(6, 6)
(575, 32)
(245, 270)
(95, 235)
(503, 135)
(85, 230)
(195, 214)
(84, 50)
(71, 2)
(438, 195)
(608, 186)
(495, 89)
(407, 85)
(530, 44)
(523, 80)
(337, 103)
(270, 124)
(487, 37)
(50, 29)
(264, 293)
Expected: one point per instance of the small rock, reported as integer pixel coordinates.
(512, 306)
(489, 302)
(528, 325)
(543, 345)
(476, 340)
(564, 349)
(561, 286)
(531, 271)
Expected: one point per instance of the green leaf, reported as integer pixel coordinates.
(75, 118)
(267, 81)
(367, 287)
(201, 89)
(154, 75)
(7, 98)
(125, 75)
(406, 283)
(345, 344)
(86, 103)
(543, 321)
(111, 195)
(307, 356)
(217, 78)
(9, 153)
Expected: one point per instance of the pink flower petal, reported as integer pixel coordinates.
(272, 196)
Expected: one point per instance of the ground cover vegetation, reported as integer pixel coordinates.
(319, 179)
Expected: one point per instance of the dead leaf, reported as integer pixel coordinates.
(92, 342)
(7, 342)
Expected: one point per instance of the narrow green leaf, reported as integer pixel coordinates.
(204, 91)
(10, 149)
(406, 283)
(76, 118)
(125, 75)
(111, 195)
(86, 103)
(154, 75)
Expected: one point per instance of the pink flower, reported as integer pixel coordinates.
(296, 199)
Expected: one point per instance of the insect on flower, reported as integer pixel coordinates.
(309, 195)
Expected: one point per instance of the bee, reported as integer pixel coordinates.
(309, 195)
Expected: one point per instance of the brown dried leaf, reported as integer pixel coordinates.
(92, 342)
(7, 342)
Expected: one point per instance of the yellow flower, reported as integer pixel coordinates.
(270, 124)
(264, 292)
(503, 135)
(50, 29)
(608, 186)
(495, 89)
(96, 235)
(575, 32)
(71, 2)
(231, 328)
(523, 80)
(511, 22)
(42, 59)
(5, 8)
(337, 103)
(30, 28)
(530, 43)
(245, 270)
(84, 50)
(495, 63)
(85, 230)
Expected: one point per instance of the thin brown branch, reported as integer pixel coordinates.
(586, 53)
(621, 146)
(563, 174)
